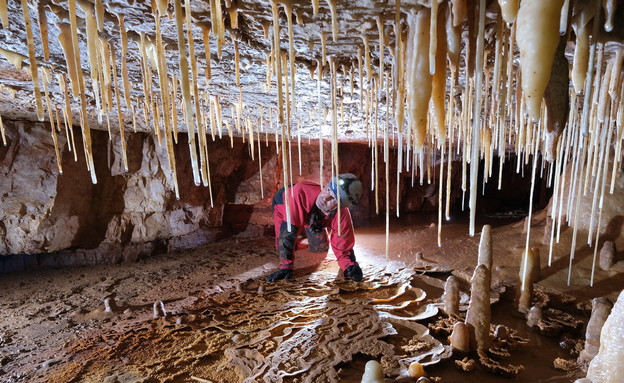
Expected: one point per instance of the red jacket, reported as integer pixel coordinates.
(301, 200)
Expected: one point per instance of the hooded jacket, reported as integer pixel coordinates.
(302, 206)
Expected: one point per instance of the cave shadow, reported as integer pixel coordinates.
(604, 287)
(614, 229)
(563, 263)
(612, 232)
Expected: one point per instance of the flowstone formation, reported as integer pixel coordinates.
(304, 330)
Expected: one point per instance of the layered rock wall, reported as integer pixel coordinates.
(53, 219)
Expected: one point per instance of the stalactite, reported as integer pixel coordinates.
(334, 155)
(537, 38)
(4, 14)
(124, 156)
(46, 79)
(291, 56)
(43, 29)
(105, 73)
(79, 91)
(334, 18)
(124, 60)
(474, 153)
(277, 62)
(186, 88)
(380, 28)
(417, 75)
(206, 29)
(34, 72)
(438, 80)
(2, 132)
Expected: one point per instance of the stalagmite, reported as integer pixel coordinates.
(159, 309)
(534, 316)
(478, 315)
(415, 369)
(529, 274)
(460, 337)
(601, 308)
(34, 72)
(43, 29)
(537, 36)
(451, 296)
(417, 75)
(485, 247)
(608, 365)
(607, 255)
(373, 373)
(509, 10)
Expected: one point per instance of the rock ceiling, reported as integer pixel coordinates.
(248, 28)
(143, 66)
(251, 32)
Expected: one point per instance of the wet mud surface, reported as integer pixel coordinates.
(222, 323)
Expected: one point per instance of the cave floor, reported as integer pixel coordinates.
(224, 324)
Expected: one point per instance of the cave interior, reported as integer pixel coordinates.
(143, 142)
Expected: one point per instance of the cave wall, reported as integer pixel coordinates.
(53, 219)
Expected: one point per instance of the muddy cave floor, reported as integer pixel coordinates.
(224, 324)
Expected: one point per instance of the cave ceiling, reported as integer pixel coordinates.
(248, 28)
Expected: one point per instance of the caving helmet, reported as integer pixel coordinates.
(350, 189)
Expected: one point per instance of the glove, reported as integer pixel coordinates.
(354, 272)
(280, 274)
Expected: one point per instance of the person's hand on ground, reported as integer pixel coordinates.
(281, 274)
(354, 272)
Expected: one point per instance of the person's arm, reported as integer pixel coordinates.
(342, 245)
(286, 245)
(284, 242)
